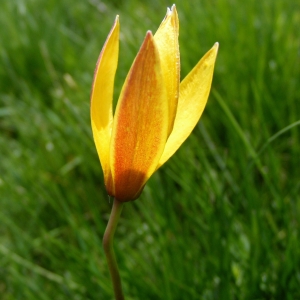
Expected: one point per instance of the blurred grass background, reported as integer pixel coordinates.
(219, 221)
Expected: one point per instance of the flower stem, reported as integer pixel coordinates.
(109, 250)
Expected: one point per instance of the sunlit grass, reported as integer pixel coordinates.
(219, 221)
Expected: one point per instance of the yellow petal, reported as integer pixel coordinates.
(140, 124)
(102, 97)
(194, 91)
(166, 39)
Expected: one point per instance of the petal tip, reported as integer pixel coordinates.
(216, 46)
(149, 34)
(171, 11)
(117, 20)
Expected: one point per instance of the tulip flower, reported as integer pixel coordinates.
(155, 113)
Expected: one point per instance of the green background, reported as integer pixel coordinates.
(220, 220)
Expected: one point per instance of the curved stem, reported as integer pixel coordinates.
(109, 250)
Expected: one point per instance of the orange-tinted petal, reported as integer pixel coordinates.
(166, 39)
(102, 96)
(140, 124)
(194, 91)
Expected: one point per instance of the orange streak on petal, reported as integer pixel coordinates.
(140, 125)
(102, 96)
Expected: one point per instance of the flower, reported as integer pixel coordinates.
(155, 113)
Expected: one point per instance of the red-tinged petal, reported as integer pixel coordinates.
(166, 39)
(102, 97)
(194, 91)
(140, 124)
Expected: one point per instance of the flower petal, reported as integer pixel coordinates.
(166, 39)
(140, 124)
(102, 97)
(194, 91)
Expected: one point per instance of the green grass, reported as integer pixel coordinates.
(219, 221)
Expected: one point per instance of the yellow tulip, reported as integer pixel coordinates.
(155, 113)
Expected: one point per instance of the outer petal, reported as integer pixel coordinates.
(140, 124)
(166, 39)
(194, 91)
(102, 96)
